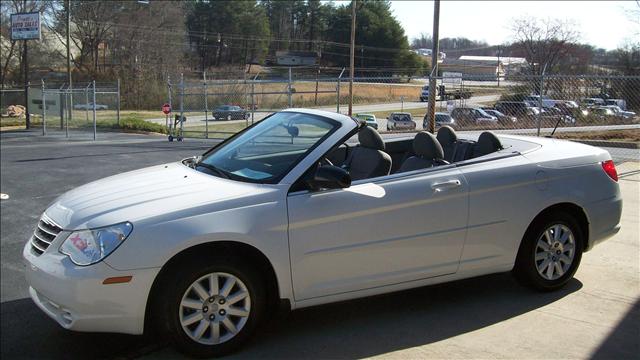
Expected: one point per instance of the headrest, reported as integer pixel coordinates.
(488, 142)
(369, 138)
(446, 135)
(425, 145)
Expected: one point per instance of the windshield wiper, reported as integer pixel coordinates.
(220, 172)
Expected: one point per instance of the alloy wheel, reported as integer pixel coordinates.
(215, 308)
(555, 251)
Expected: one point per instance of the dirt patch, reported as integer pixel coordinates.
(631, 135)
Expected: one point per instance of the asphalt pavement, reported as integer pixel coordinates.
(596, 316)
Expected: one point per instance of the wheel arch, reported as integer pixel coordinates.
(250, 253)
(576, 211)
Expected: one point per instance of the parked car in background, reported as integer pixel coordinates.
(230, 112)
(534, 100)
(602, 113)
(587, 102)
(502, 118)
(442, 119)
(400, 121)
(621, 113)
(619, 102)
(554, 115)
(471, 116)
(520, 109)
(369, 119)
(89, 106)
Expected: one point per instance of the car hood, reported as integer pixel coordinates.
(171, 189)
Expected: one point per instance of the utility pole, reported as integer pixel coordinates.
(25, 62)
(69, 61)
(352, 54)
(431, 109)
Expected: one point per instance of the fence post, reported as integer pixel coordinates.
(289, 89)
(253, 104)
(338, 91)
(44, 111)
(118, 104)
(181, 105)
(86, 103)
(169, 120)
(206, 107)
(95, 127)
(315, 98)
(540, 100)
(66, 120)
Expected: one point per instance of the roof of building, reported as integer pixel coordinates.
(505, 60)
(310, 54)
(470, 62)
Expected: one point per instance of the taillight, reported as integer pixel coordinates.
(610, 168)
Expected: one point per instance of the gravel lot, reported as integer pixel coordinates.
(596, 316)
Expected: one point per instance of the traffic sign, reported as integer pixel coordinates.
(166, 108)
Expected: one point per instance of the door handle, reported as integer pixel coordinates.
(442, 186)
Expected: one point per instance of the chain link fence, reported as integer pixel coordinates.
(80, 111)
(599, 110)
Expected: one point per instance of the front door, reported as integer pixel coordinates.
(393, 229)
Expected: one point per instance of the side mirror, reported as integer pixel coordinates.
(329, 177)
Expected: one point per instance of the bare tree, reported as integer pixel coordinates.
(543, 42)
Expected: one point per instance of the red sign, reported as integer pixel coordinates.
(166, 108)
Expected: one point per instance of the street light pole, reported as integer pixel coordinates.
(431, 109)
(352, 54)
(69, 61)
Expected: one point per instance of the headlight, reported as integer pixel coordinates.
(86, 247)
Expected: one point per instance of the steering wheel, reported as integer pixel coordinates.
(324, 161)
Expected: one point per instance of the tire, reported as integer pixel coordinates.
(549, 270)
(179, 287)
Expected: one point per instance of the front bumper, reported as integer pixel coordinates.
(76, 298)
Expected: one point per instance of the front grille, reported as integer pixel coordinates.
(44, 234)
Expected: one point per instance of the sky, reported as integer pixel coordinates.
(605, 24)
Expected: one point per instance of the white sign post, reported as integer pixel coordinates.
(25, 26)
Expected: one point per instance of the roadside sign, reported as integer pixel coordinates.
(53, 102)
(25, 26)
(166, 108)
(451, 77)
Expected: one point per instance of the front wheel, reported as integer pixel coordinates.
(211, 306)
(550, 252)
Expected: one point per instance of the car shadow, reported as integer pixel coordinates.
(351, 329)
(381, 324)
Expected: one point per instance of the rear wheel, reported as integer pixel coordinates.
(211, 306)
(550, 252)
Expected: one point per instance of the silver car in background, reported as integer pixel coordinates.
(400, 121)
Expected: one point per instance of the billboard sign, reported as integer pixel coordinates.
(451, 77)
(25, 26)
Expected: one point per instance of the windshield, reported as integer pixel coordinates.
(401, 117)
(443, 118)
(265, 152)
(365, 117)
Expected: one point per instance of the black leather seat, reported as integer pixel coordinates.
(428, 152)
(448, 140)
(487, 143)
(369, 159)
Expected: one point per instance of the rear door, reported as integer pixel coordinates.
(377, 232)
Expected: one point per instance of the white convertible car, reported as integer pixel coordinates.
(290, 211)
